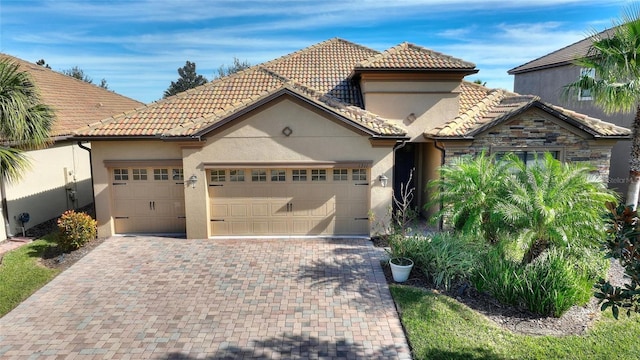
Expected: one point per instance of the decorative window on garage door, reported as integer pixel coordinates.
(299, 175)
(340, 174)
(218, 176)
(236, 175)
(318, 175)
(160, 174)
(359, 174)
(278, 175)
(139, 174)
(121, 174)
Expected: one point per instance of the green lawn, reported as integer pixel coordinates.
(439, 327)
(21, 275)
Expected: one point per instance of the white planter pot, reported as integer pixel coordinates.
(400, 272)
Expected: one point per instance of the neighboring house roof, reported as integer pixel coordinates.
(561, 57)
(498, 106)
(76, 103)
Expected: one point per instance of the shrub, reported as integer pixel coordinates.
(550, 285)
(446, 258)
(622, 243)
(76, 229)
(554, 204)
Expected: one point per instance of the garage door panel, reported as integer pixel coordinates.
(260, 226)
(260, 209)
(219, 210)
(220, 228)
(239, 227)
(121, 190)
(279, 226)
(279, 208)
(238, 210)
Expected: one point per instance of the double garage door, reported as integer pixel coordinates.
(302, 201)
(245, 201)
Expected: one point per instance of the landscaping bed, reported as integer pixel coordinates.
(576, 321)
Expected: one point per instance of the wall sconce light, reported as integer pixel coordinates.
(193, 179)
(383, 180)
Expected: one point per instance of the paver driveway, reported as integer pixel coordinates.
(161, 298)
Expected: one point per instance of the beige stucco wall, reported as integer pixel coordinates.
(256, 137)
(122, 150)
(58, 179)
(415, 105)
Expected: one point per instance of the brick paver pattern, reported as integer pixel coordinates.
(162, 298)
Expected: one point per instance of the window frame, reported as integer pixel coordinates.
(590, 73)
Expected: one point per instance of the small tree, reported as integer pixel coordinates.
(188, 80)
(553, 204)
(468, 190)
(232, 69)
(76, 72)
(41, 62)
(622, 243)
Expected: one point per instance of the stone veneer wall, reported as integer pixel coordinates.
(539, 131)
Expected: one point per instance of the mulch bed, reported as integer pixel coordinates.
(576, 321)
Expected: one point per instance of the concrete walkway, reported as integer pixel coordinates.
(161, 298)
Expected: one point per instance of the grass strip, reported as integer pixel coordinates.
(21, 274)
(439, 327)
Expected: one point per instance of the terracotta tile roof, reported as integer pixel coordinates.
(76, 103)
(319, 73)
(325, 67)
(356, 115)
(409, 56)
(471, 94)
(211, 101)
(500, 105)
(562, 56)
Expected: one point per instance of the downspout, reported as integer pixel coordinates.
(93, 194)
(442, 161)
(5, 210)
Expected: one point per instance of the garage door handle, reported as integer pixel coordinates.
(216, 185)
(152, 205)
(217, 220)
(361, 184)
(364, 218)
(121, 217)
(119, 184)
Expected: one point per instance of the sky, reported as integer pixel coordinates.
(138, 45)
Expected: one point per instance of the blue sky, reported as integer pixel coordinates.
(138, 45)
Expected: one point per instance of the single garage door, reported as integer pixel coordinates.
(280, 201)
(148, 200)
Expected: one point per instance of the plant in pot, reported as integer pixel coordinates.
(403, 217)
(399, 260)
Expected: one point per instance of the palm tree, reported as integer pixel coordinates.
(554, 204)
(24, 121)
(468, 189)
(614, 58)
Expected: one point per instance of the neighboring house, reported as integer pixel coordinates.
(546, 76)
(60, 175)
(313, 143)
